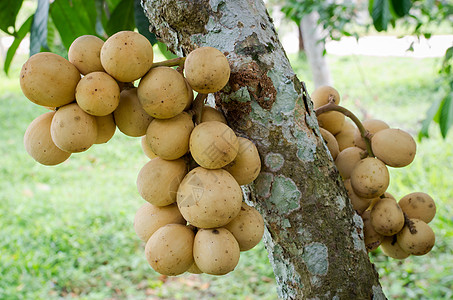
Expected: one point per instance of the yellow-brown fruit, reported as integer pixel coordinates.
(194, 269)
(85, 54)
(247, 164)
(392, 249)
(372, 238)
(359, 204)
(169, 138)
(395, 147)
(207, 70)
(331, 121)
(39, 144)
(158, 180)
(345, 138)
(247, 227)
(331, 142)
(98, 94)
(370, 178)
(418, 206)
(127, 56)
(48, 79)
(211, 114)
(347, 159)
(163, 93)
(149, 218)
(418, 242)
(372, 126)
(323, 94)
(213, 144)
(216, 251)
(190, 91)
(106, 128)
(387, 217)
(147, 148)
(169, 250)
(72, 129)
(209, 198)
(130, 117)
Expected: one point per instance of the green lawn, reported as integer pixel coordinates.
(66, 231)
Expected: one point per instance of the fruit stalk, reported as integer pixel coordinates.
(175, 62)
(197, 107)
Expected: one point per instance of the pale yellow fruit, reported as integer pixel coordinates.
(213, 144)
(420, 242)
(418, 206)
(247, 227)
(370, 178)
(211, 114)
(395, 147)
(158, 180)
(169, 250)
(216, 251)
(130, 117)
(106, 128)
(48, 79)
(127, 56)
(149, 218)
(72, 129)
(207, 70)
(387, 217)
(190, 98)
(98, 94)
(345, 138)
(147, 148)
(209, 198)
(331, 121)
(39, 144)
(194, 269)
(392, 249)
(247, 165)
(163, 93)
(372, 238)
(85, 54)
(169, 138)
(347, 159)
(358, 203)
(331, 142)
(372, 126)
(323, 94)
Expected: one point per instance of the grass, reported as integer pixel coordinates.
(66, 231)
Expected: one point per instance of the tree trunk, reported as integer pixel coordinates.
(313, 236)
(314, 48)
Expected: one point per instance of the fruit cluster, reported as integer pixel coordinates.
(362, 157)
(195, 218)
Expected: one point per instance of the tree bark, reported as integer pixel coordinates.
(313, 236)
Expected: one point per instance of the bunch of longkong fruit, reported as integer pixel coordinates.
(194, 218)
(362, 155)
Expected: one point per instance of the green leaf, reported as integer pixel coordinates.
(446, 114)
(8, 13)
(430, 114)
(380, 14)
(401, 7)
(20, 34)
(122, 18)
(38, 31)
(164, 50)
(142, 23)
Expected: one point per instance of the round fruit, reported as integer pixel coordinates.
(418, 242)
(372, 126)
(85, 54)
(169, 249)
(387, 217)
(213, 144)
(395, 147)
(190, 91)
(130, 117)
(207, 70)
(211, 114)
(72, 129)
(418, 206)
(345, 137)
(331, 121)
(158, 180)
(194, 269)
(370, 178)
(216, 251)
(48, 79)
(331, 142)
(147, 148)
(127, 56)
(359, 204)
(247, 165)
(169, 138)
(372, 238)
(347, 159)
(323, 95)
(247, 227)
(149, 218)
(106, 128)
(209, 198)
(38, 142)
(98, 94)
(163, 93)
(391, 248)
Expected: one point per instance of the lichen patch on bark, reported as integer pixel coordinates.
(316, 258)
(285, 194)
(274, 161)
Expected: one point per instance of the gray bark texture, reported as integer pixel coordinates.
(313, 236)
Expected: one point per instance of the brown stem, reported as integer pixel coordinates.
(197, 107)
(408, 222)
(175, 62)
(331, 106)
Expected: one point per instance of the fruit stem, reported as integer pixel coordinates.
(197, 107)
(331, 106)
(174, 62)
(408, 222)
